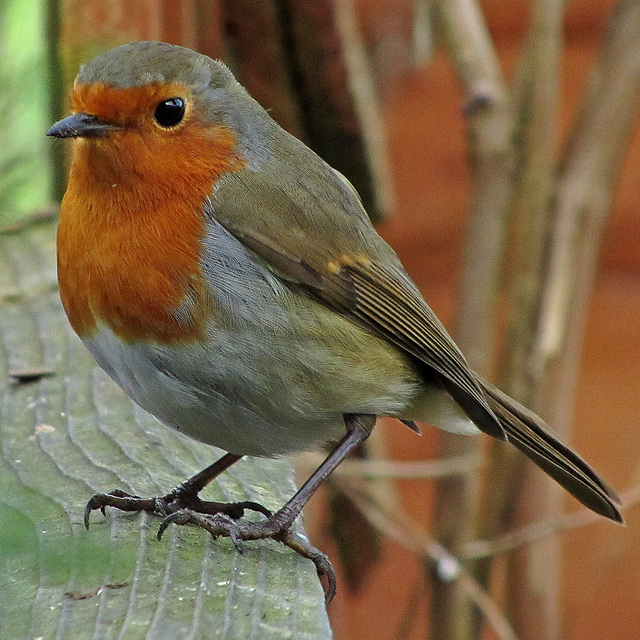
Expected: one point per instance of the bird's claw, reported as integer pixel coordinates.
(116, 498)
(220, 520)
(222, 525)
(324, 568)
(165, 506)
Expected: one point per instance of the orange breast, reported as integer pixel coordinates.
(131, 226)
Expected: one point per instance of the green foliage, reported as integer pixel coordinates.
(25, 165)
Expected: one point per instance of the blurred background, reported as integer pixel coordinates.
(495, 145)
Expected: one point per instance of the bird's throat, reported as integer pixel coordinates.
(129, 247)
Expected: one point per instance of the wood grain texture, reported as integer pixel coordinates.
(71, 434)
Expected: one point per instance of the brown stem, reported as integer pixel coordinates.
(366, 106)
(488, 110)
(533, 228)
(394, 524)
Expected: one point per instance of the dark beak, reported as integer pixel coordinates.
(81, 125)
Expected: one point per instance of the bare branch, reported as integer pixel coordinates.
(492, 163)
(538, 530)
(423, 37)
(534, 216)
(490, 119)
(395, 525)
(366, 105)
(588, 176)
(414, 470)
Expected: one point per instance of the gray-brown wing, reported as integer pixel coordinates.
(340, 260)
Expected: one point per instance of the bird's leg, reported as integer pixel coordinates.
(278, 525)
(183, 506)
(184, 496)
(359, 427)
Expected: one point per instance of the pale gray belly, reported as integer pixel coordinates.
(263, 390)
(277, 370)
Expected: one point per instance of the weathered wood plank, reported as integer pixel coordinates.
(68, 435)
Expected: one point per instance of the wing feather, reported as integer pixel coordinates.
(381, 299)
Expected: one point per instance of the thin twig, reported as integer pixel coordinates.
(366, 104)
(395, 525)
(410, 610)
(414, 470)
(535, 605)
(422, 37)
(588, 174)
(539, 530)
(490, 118)
(491, 147)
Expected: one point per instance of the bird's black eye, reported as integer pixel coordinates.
(170, 112)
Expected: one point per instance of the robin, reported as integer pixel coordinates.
(230, 282)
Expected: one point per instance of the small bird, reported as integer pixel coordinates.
(231, 283)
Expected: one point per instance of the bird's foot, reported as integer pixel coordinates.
(225, 525)
(179, 499)
(183, 506)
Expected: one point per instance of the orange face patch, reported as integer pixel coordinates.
(125, 107)
(132, 219)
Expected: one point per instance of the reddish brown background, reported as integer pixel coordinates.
(422, 111)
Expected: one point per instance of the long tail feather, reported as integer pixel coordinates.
(529, 434)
